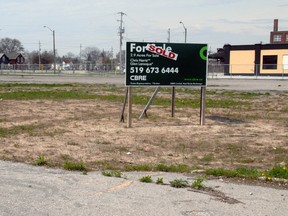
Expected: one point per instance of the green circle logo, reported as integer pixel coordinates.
(202, 53)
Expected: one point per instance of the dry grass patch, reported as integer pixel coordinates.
(82, 124)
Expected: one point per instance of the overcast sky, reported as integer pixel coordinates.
(95, 23)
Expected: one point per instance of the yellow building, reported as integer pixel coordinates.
(258, 59)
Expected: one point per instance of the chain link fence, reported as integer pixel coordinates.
(214, 70)
(65, 69)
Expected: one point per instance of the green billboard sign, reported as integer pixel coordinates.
(166, 64)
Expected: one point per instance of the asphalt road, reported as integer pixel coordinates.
(30, 190)
(221, 82)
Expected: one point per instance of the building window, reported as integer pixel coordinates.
(269, 62)
(286, 37)
(277, 38)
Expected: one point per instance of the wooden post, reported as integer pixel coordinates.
(129, 117)
(202, 105)
(149, 102)
(124, 105)
(173, 102)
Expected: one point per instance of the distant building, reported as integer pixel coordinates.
(256, 59)
(278, 37)
(3, 59)
(15, 58)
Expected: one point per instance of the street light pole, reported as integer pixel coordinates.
(185, 30)
(173, 88)
(54, 50)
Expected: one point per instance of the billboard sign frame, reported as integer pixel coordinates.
(166, 64)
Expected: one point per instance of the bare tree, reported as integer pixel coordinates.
(45, 57)
(9, 45)
(70, 57)
(91, 54)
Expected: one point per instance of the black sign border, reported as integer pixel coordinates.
(182, 46)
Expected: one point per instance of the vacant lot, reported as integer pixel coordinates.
(69, 122)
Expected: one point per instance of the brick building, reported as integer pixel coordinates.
(278, 37)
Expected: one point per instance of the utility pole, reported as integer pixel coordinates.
(39, 55)
(121, 32)
(168, 35)
(80, 54)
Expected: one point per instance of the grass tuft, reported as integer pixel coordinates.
(251, 173)
(239, 172)
(159, 181)
(112, 173)
(278, 172)
(180, 168)
(41, 161)
(75, 166)
(140, 167)
(198, 183)
(179, 183)
(146, 179)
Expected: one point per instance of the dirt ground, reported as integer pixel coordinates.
(90, 131)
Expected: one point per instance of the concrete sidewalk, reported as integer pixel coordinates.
(30, 190)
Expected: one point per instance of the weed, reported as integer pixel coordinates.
(41, 161)
(49, 95)
(117, 174)
(107, 173)
(4, 132)
(159, 181)
(181, 168)
(221, 172)
(207, 158)
(198, 183)
(140, 167)
(19, 129)
(250, 173)
(163, 168)
(146, 179)
(233, 148)
(278, 172)
(179, 183)
(75, 166)
(246, 160)
(122, 149)
(113, 173)
(106, 165)
(5, 85)
(239, 172)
